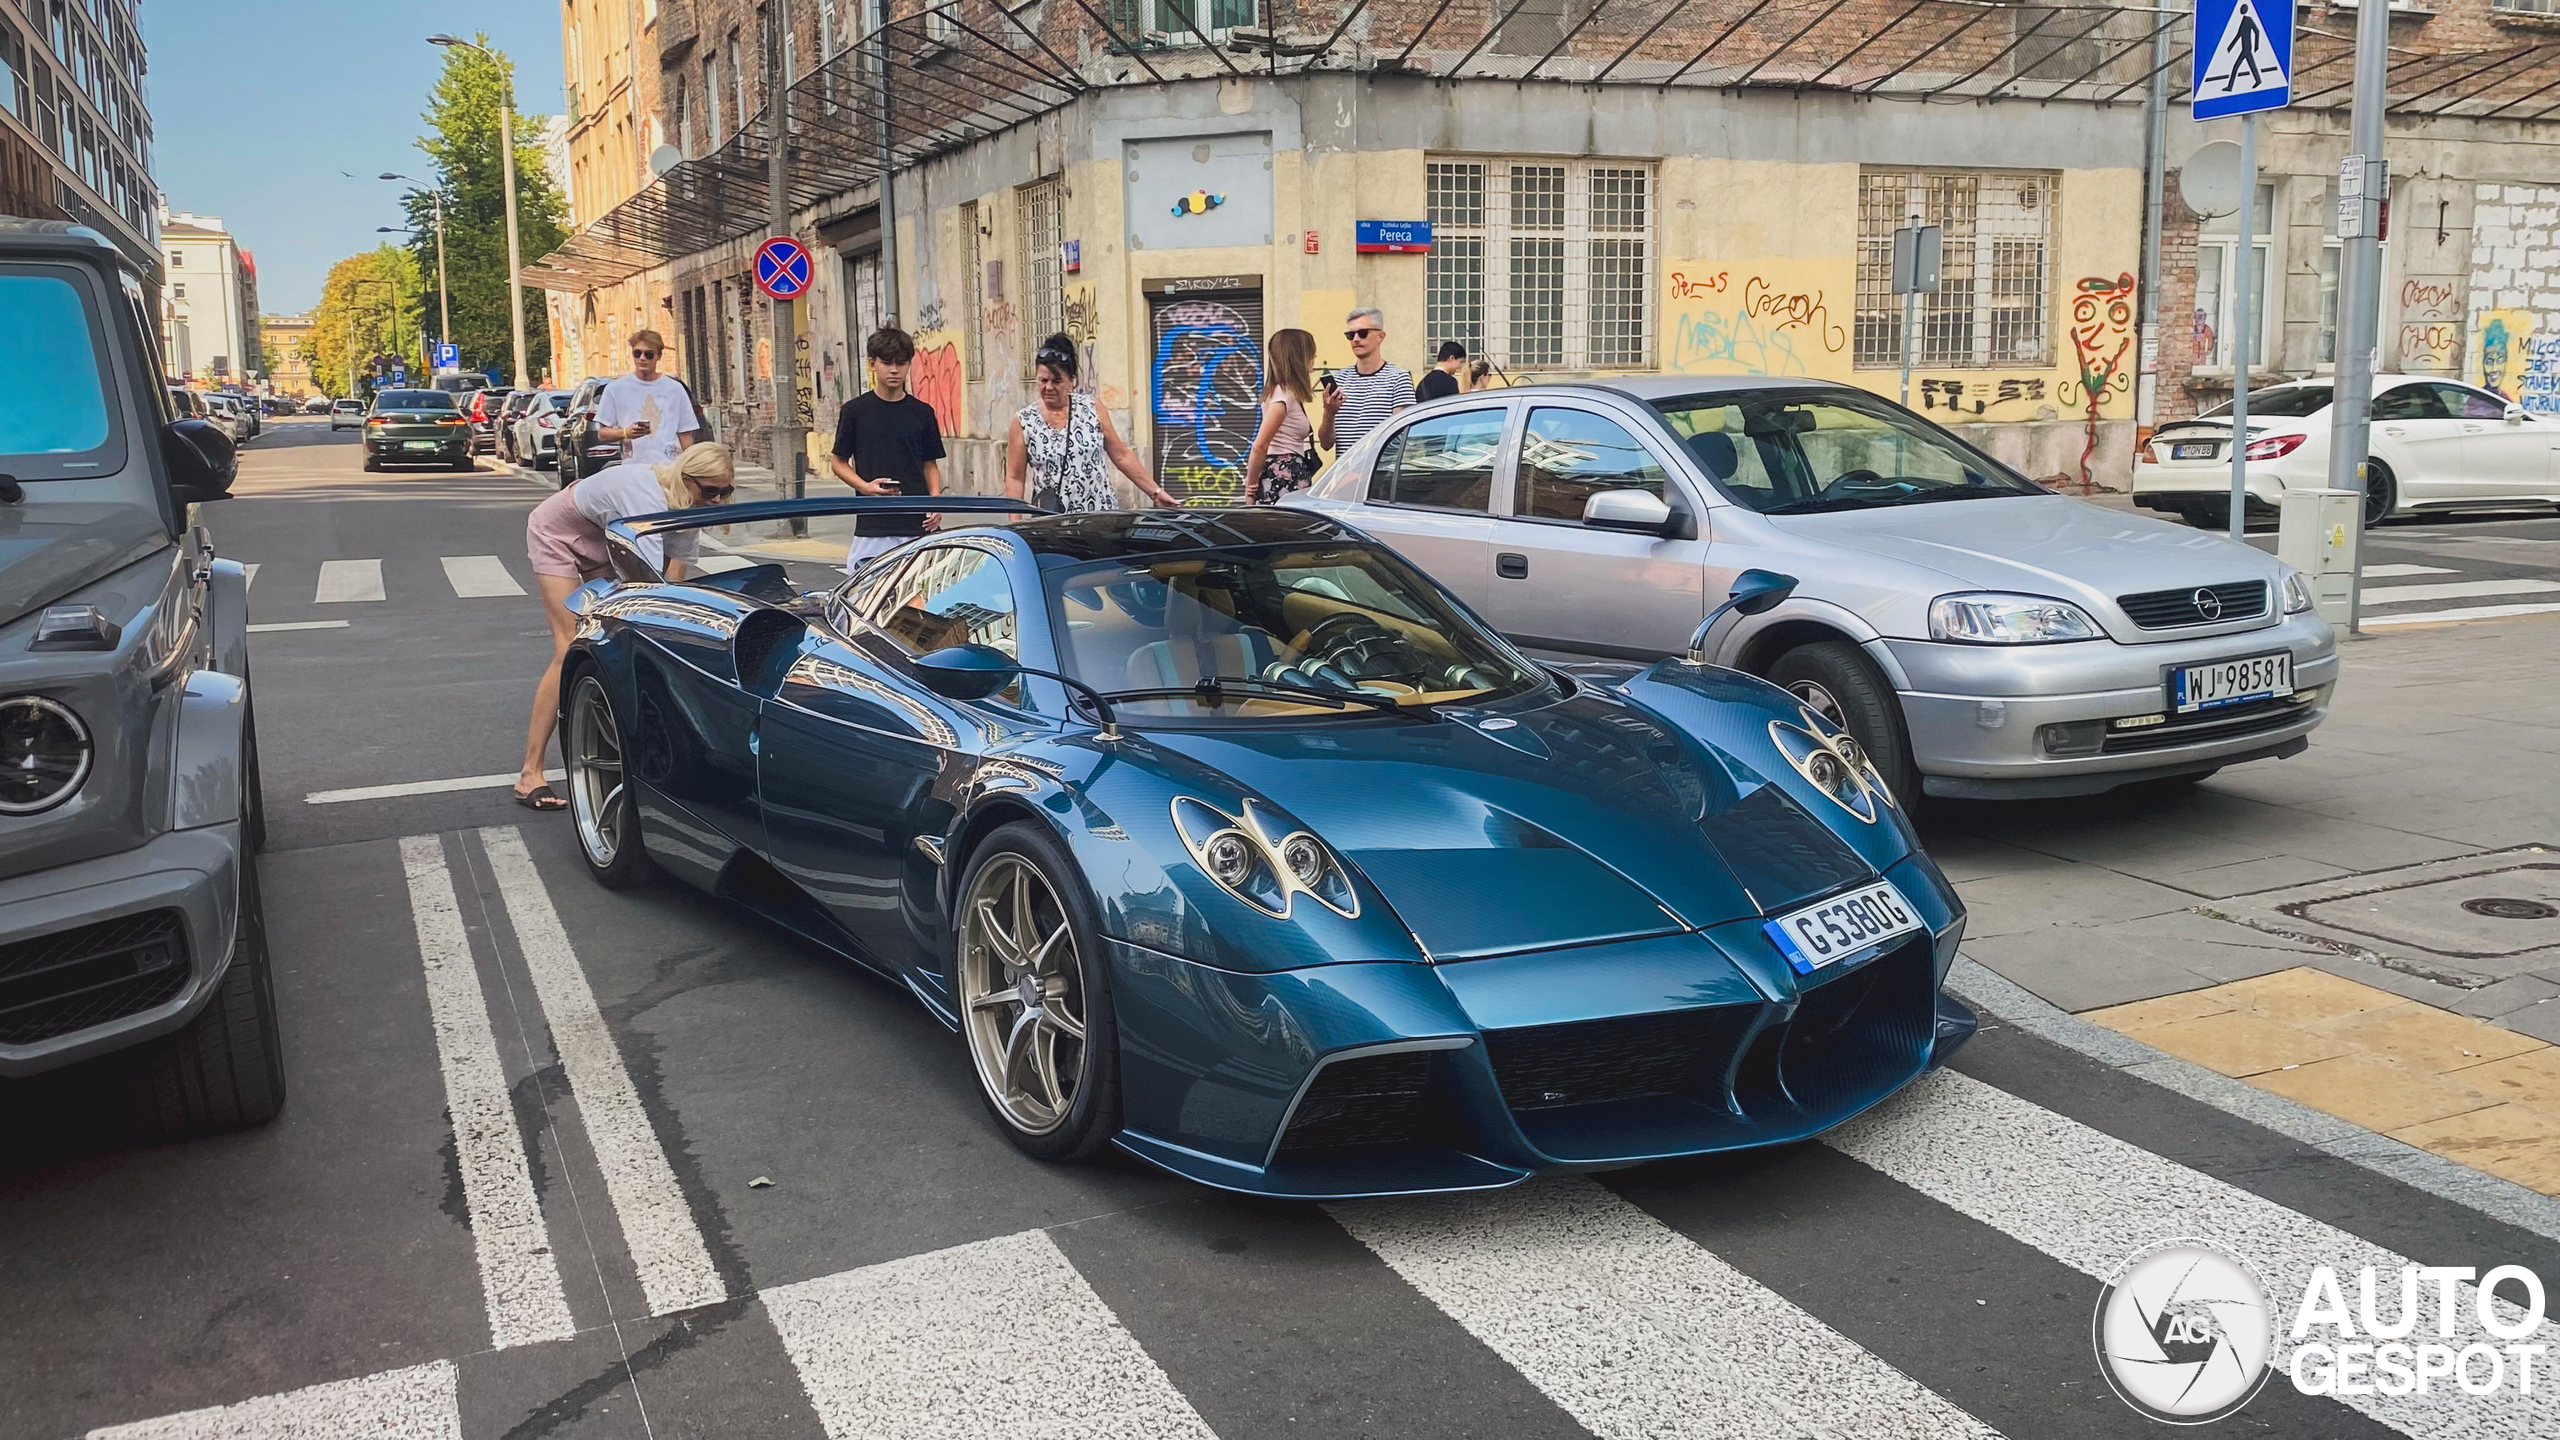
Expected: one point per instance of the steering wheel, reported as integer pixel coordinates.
(1318, 644)
(1850, 482)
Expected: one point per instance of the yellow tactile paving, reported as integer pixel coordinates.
(2473, 1092)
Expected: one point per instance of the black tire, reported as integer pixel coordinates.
(2381, 492)
(600, 806)
(226, 1069)
(253, 795)
(466, 464)
(370, 462)
(1836, 681)
(1092, 1116)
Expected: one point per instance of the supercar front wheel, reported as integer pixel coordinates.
(1035, 1002)
(608, 832)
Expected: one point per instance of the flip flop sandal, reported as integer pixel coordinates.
(541, 797)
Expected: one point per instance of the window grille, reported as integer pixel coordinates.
(1044, 302)
(973, 335)
(1541, 264)
(1993, 305)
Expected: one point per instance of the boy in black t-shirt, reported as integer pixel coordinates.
(1441, 379)
(888, 442)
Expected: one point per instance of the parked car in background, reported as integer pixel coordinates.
(316, 405)
(346, 414)
(580, 452)
(416, 427)
(482, 407)
(518, 401)
(2436, 445)
(252, 421)
(131, 933)
(1979, 635)
(537, 430)
(186, 404)
(458, 382)
(224, 410)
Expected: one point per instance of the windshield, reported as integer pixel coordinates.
(2282, 402)
(1340, 617)
(56, 423)
(1785, 452)
(413, 400)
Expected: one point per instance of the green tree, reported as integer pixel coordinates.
(357, 319)
(462, 142)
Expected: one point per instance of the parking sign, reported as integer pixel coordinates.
(2243, 57)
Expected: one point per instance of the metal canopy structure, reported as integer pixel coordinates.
(966, 69)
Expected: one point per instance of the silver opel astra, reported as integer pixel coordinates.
(1982, 637)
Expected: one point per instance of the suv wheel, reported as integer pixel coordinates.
(226, 1069)
(1836, 681)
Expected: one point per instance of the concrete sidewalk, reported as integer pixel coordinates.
(2371, 928)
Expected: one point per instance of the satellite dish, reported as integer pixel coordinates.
(664, 159)
(2210, 180)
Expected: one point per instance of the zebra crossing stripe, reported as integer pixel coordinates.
(419, 1403)
(475, 576)
(2476, 612)
(519, 1274)
(658, 1227)
(2089, 1200)
(1635, 1330)
(2457, 590)
(1000, 1337)
(348, 581)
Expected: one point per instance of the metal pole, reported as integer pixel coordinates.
(787, 455)
(515, 260)
(444, 289)
(888, 181)
(2244, 303)
(2155, 174)
(2360, 283)
(1910, 310)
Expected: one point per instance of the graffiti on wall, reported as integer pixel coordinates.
(936, 377)
(1206, 379)
(2430, 325)
(2515, 362)
(1084, 326)
(2101, 344)
(1978, 398)
(1757, 318)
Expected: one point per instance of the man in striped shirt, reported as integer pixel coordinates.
(1360, 396)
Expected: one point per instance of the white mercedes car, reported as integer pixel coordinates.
(2437, 445)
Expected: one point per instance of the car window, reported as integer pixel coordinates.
(1568, 456)
(2410, 402)
(1443, 463)
(950, 595)
(1793, 452)
(2283, 402)
(413, 400)
(2468, 404)
(57, 423)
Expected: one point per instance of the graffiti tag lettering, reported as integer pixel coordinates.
(2427, 296)
(936, 377)
(1793, 309)
(1207, 379)
(1685, 286)
(1723, 342)
(1952, 395)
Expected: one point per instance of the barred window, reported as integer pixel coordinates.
(1993, 305)
(973, 289)
(1541, 264)
(1044, 300)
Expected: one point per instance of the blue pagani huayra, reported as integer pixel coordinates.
(1228, 836)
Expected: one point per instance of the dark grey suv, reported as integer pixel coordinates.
(130, 929)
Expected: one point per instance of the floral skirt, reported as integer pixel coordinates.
(1282, 474)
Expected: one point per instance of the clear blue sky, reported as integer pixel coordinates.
(262, 109)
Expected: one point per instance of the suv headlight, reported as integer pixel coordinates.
(1995, 619)
(44, 754)
(2297, 592)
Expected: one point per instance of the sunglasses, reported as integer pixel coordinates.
(644, 354)
(1360, 334)
(716, 492)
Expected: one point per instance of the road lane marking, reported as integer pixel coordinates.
(2476, 612)
(519, 1274)
(419, 1403)
(297, 625)
(421, 787)
(1635, 1329)
(2027, 1172)
(1000, 1337)
(346, 581)
(2458, 590)
(658, 1227)
(474, 577)
(2393, 572)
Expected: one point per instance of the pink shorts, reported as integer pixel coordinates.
(560, 541)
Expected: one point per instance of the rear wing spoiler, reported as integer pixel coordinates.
(625, 535)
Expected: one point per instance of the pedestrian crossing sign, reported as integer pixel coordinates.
(2243, 57)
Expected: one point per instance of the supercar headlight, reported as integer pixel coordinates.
(1990, 618)
(2297, 592)
(1264, 869)
(1834, 763)
(44, 754)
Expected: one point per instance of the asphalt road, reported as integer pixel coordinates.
(560, 1161)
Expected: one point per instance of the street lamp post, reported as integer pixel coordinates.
(444, 291)
(507, 165)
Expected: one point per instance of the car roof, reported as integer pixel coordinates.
(1651, 388)
(409, 396)
(51, 236)
(1128, 533)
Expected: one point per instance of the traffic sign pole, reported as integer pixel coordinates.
(2243, 64)
(2360, 284)
(2245, 302)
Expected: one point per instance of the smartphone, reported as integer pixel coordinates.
(1329, 382)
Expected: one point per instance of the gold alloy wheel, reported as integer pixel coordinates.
(595, 773)
(1022, 993)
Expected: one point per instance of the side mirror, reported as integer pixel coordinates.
(1639, 511)
(2515, 413)
(1755, 592)
(201, 460)
(966, 672)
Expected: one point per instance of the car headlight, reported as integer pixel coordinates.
(2297, 592)
(1834, 763)
(1990, 618)
(44, 754)
(1267, 873)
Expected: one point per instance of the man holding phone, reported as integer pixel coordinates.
(1359, 397)
(650, 415)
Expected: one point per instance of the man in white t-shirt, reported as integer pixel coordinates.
(648, 413)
